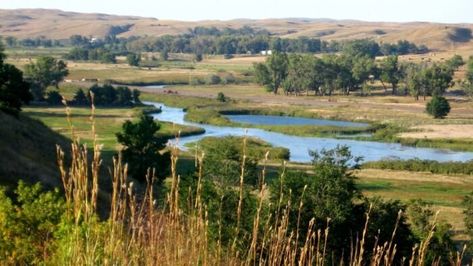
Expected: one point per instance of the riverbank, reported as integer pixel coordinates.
(204, 110)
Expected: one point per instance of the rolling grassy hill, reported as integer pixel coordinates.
(28, 151)
(56, 24)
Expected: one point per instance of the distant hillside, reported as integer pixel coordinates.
(28, 151)
(56, 24)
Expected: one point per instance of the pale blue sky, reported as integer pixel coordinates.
(450, 11)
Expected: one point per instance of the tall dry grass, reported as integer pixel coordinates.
(137, 232)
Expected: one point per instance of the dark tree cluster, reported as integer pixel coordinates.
(12, 42)
(107, 95)
(14, 90)
(93, 54)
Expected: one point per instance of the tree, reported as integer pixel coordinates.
(14, 90)
(362, 69)
(136, 96)
(133, 59)
(28, 224)
(469, 70)
(438, 107)
(273, 73)
(53, 97)
(198, 57)
(164, 54)
(299, 74)
(80, 98)
(436, 79)
(221, 97)
(45, 72)
(414, 80)
(329, 192)
(468, 212)
(142, 148)
(391, 72)
(223, 160)
(421, 218)
(455, 62)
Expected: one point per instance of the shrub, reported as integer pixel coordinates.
(221, 97)
(53, 97)
(213, 79)
(438, 107)
(28, 224)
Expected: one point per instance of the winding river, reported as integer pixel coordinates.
(300, 146)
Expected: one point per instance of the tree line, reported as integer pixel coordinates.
(355, 69)
(227, 41)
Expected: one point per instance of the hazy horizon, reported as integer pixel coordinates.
(455, 11)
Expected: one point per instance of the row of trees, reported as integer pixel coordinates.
(242, 44)
(210, 40)
(12, 42)
(95, 54)
(354, 70)
(107, 95)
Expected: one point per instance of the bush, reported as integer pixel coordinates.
(227, 56)
(213, 79)
(198, 57)
(53, 97)
(438, 107)
(221, 97)
(28, 224)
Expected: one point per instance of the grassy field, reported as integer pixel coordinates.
(444, 192)
(108, 122)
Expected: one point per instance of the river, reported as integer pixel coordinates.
(299, 146)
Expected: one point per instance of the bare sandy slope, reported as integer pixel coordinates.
(58, 24)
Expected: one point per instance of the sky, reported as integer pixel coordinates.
(450, 11)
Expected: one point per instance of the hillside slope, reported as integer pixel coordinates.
(28, 151)
(56, 24)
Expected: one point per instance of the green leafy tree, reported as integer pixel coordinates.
(14, 90)
(421, 218)
(44, 72)
(223, 160)
(164, 54)
(391, 72)
(80, 98)
(28, 224)
(221, 97)
(198, 57)
(327, 193)
(468, 212)
(455, 62)
(133, 59)
(436, 79)
(362, 69)
(414, 80)
(53, 97)
(142, 148)
(273, 73)
(469, 70)
(299, 74)
(438, 107)
(136, 96)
